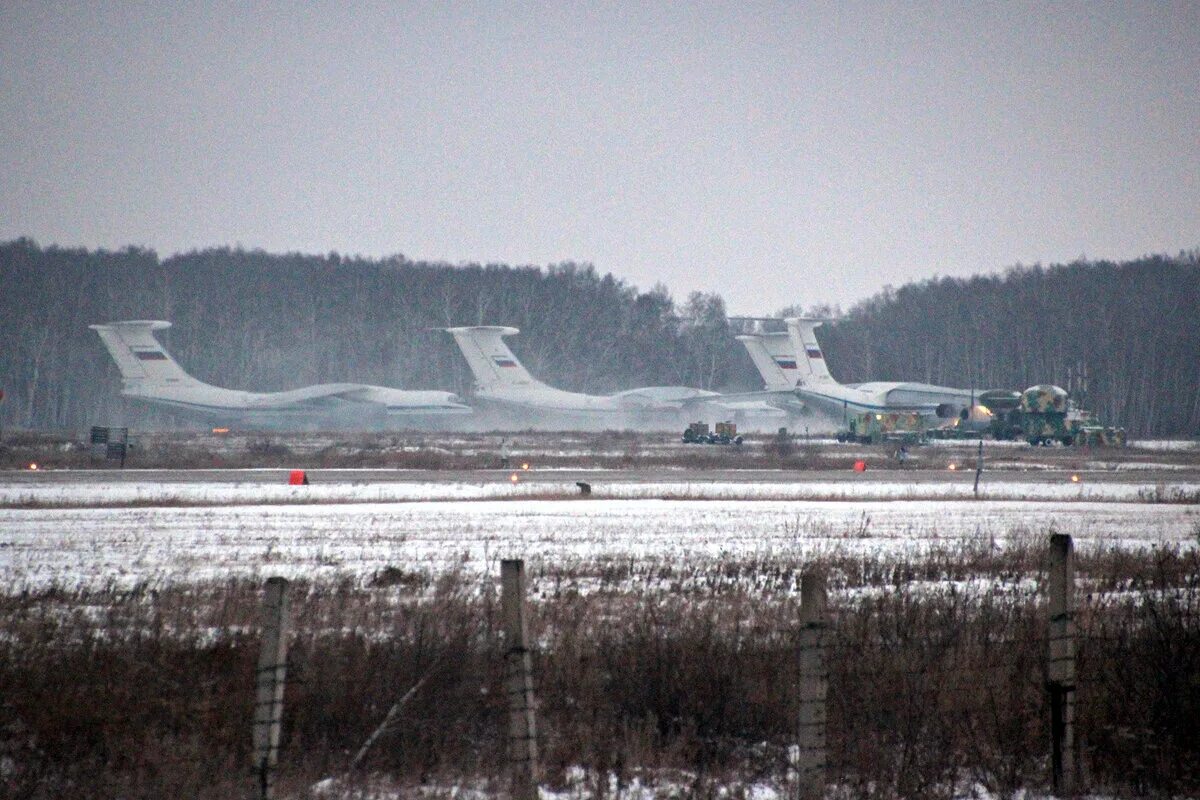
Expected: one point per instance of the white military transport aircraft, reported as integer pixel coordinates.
(150, 374)
(503, 383)
(793, 360)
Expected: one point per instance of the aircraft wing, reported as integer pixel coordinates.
(663, 397)
(381, 398)
(916, 394)
(748, 407)
(785, 399)
(318, 396)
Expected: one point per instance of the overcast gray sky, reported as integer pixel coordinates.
(775, 153)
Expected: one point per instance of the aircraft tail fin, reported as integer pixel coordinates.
(143, 362)
(811, 360)
(489, 358)
(775, 359)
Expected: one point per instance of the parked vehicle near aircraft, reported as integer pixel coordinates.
(149, 374)
(1045, 415)
(723, 433)
(876, 427)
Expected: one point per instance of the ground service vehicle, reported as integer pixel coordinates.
(904, 427)
(1045, 414)
(725, 433)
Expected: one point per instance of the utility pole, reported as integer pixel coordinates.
(978, 467)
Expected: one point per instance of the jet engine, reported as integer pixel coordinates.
(948, 410)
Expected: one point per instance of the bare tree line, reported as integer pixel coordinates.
(253, 320)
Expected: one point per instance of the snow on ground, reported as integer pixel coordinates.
(45, 495)
(1165, 444)
(1136, 466)
(990, 444)
(645, 784)
(126, 546)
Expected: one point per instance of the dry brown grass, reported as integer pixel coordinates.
(147, 693)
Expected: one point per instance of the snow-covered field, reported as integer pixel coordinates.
(90, 532)
(662, 784)
(1175, 445)
(92, 547)
(95, 495)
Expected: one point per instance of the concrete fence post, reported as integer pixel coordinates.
(518, 683)
(1061, 672)
(272, 672)
(814, 683)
